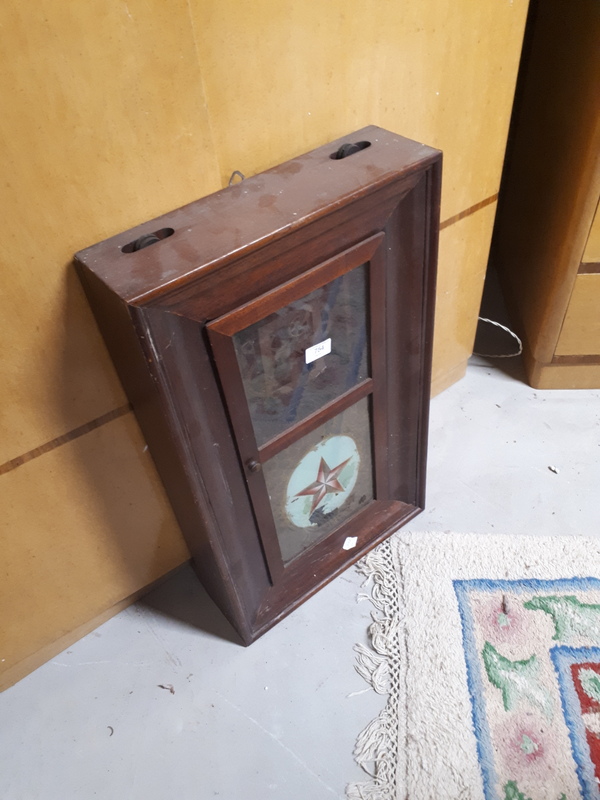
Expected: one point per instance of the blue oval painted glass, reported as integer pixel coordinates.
(322, 481)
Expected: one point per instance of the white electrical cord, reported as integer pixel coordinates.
(508, 330)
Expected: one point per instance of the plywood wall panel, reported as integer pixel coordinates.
(580, 332)
(103, 125)
(82, 528)
(282, 78)
(592, 247)
(562, 376)
(461, 273)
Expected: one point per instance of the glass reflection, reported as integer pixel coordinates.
(306, 354)
(321, 481)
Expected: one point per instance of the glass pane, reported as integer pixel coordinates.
(320, 481)
(305, 354)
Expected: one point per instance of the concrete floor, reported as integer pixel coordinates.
(279, 719)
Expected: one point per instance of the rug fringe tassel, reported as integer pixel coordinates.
(373, 668)
(372, 744)
(376, 746)
(372, 754)
(365, 791)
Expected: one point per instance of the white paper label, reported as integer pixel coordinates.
(317, 350)
(350, 542)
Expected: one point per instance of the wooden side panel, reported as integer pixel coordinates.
(552, 181)
(95, 136)
(591, 254)
(562, 376)
(82, 528)
(580, 334)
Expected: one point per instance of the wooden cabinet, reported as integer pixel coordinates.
(275, 342)
(546, 244)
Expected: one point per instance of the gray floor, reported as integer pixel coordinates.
(279, 719)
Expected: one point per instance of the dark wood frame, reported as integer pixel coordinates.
(221, 332)
(244, 242)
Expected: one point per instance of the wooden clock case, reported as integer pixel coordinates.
(170, 311)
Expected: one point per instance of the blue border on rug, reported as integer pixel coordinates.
(485, 752)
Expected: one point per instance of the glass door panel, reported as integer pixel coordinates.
(305, 354)
(299, 369)
(322, 480)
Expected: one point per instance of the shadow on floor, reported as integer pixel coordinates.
(513, 367)
(183, 598)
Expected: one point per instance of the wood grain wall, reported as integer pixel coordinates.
(592, 249)
(113, 112)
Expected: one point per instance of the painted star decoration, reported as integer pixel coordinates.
(327, 482)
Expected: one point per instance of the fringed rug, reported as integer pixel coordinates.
(488, 648)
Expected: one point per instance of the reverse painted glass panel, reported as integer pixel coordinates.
(305, 354)
(321, 481)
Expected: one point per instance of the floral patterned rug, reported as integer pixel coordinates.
(488, 648)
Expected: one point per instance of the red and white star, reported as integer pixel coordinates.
(327, 483)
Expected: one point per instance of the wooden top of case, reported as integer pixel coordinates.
(246, 216)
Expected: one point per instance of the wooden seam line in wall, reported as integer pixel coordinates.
(122, 410)
(468, 211)
(64, 439)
